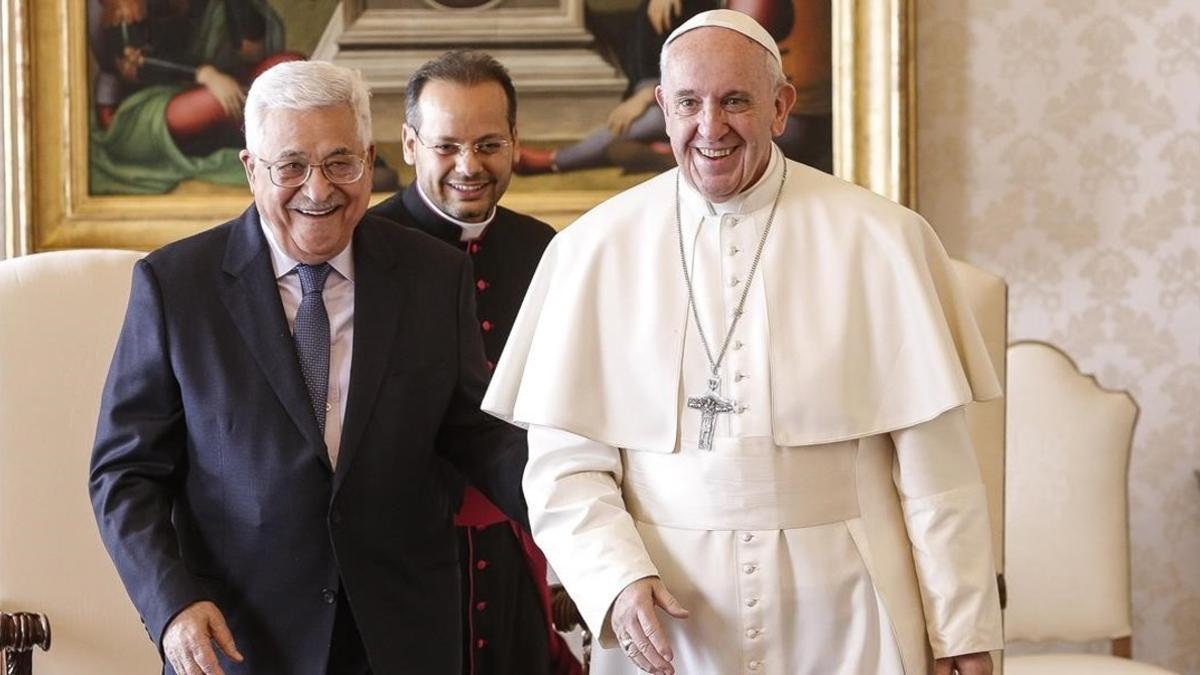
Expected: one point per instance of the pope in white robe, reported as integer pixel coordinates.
(835, 523)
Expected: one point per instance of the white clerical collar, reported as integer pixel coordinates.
(470, 231)
(282, 263)
(757, 196)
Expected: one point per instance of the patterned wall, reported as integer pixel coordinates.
(1059, 146)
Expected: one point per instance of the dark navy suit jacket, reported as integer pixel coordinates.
(210, 478)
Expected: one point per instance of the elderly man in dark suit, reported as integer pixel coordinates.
(289, 388)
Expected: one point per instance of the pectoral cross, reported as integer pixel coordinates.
(709, 406)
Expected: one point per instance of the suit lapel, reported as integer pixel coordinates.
(379, 300)
(251, 295)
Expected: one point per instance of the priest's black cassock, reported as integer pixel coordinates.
(505, 600)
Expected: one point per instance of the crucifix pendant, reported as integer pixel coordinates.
(710, 405)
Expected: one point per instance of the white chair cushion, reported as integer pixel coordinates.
(1077, 664)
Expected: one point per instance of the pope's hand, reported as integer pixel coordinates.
(636, 625)
(187, 642)
(979, 663)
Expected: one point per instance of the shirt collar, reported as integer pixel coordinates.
(283, 264)
(470, 231)
(757, 196)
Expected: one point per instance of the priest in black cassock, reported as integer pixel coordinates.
(460, 136)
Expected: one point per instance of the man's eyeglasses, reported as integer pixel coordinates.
(484, 148)
(291, 173)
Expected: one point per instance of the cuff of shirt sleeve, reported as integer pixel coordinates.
(951, 543)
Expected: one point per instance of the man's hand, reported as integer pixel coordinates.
(662, 12)
(979, 663)
(637, 628)
(129, 63)
(187, 642)
(629, 110)
(224, 88)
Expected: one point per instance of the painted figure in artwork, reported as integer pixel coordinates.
(171, 78)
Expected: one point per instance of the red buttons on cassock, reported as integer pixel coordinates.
(486, 325)
(481, 565)
(480, 643)
(482, 284)
(473, 248)
(491, 366)
(480, 606)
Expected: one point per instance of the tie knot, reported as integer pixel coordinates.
(312, 277)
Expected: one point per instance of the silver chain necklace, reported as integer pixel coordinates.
(711, 404)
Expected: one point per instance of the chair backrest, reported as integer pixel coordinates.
(987, 295)
(1067, 535)
(59, 318)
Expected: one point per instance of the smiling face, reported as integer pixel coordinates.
(313, 222)
(463, 186)
(722, 108)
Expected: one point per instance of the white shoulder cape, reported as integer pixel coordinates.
(869, 329)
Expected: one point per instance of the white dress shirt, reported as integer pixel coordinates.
(339, 304)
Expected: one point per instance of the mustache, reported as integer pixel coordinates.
(306, 204)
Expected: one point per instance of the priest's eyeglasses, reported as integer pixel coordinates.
(294, 172)
(485, 148)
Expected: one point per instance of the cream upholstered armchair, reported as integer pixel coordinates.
(1067, 535)
(59, 318)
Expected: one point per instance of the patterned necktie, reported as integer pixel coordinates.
(312, 336)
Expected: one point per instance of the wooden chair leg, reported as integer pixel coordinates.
(18, 663)
(587, 651)
(1123, 647)
(19, 634)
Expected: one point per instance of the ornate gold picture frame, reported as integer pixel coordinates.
(45, 99)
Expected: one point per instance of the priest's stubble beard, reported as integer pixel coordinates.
(723, 105)
(466, 187)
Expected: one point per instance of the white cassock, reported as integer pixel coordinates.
(839, 524)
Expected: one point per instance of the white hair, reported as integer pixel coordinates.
(773, 66)
(303, 85)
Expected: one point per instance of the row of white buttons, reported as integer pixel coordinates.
(752, 633)
(735, 280)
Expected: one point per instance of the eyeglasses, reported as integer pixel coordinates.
(291, 173)
(484, 148)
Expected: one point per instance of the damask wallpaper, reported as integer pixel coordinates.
(1059, 146)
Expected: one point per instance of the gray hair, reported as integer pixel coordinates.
(774, 67)
(304, 85)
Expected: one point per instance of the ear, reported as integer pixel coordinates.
(409, 138)
(516, 147)
(247, 165)
(785, 98)
(369, 166)
(661, 98)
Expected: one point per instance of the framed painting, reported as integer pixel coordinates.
(92, 162)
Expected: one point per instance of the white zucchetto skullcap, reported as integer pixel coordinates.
(734, 21)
